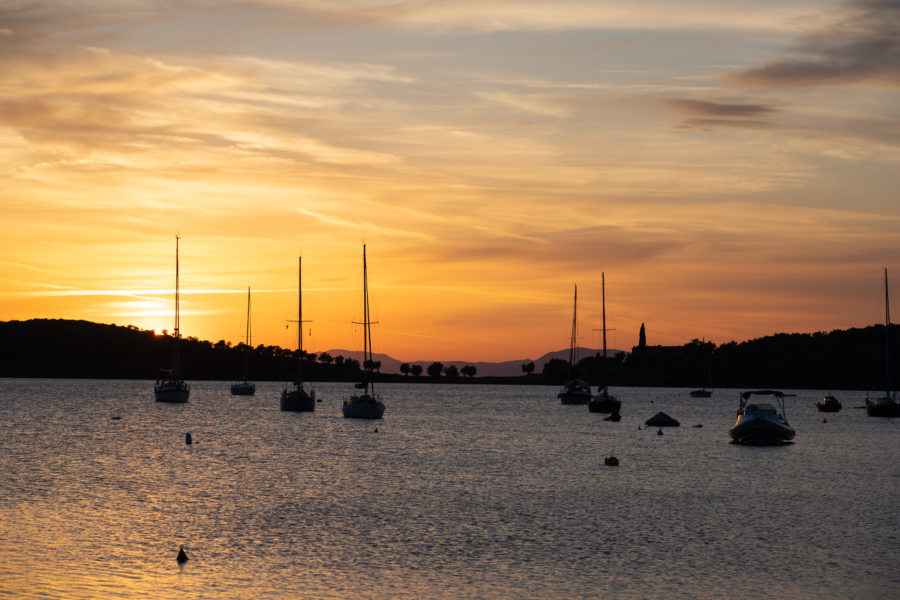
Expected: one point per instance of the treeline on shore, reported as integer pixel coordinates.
(841, 359)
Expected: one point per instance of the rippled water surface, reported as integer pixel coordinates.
(464, 491)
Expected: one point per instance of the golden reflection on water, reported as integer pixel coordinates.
(465, 492)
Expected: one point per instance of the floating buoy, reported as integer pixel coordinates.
(825, 420)
(699, 425)
(117, 418)
(187, 438)
(611, 461)
(182, 557)
(376, 430)
(659, 431)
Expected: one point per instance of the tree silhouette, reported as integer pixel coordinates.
(528, 368)
(642, 337)
(469, 371)
(452, 372)
(435, 369)
(416, 370)
(326, 358)
(404, 368)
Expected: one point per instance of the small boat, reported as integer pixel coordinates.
(604, 402)
(829, 404)
(297, 399)
(889, 404)
(245, 387)
(761, 424)
(366, 405)
(575, 391)
(704, 391)
(169, 386)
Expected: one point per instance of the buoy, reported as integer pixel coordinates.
(699, 425)
(376, 430)
(611, 461)
(824, 420)
(659, 431)
(117, 418)
(187, 438)
(182, 557)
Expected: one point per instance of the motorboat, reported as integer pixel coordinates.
(365, 405)
(296, 398)
(169, 386)
(829, 404)
(761, 424)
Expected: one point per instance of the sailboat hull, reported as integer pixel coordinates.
(883, 407)
(607, 404)
(298, 400)
(173, 391)
(363, 407)
(245, 388)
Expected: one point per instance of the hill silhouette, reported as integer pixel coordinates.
(840, 359)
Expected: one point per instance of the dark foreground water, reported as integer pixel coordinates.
(464, 492)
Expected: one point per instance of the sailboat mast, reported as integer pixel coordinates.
(887, 336)
(574, 335)
(300, 304)
(367, 331)
(603, 304)
(247, 349)
(177, 309)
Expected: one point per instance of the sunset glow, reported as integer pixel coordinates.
(734, 170)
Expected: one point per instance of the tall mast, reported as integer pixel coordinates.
(177, 310)
(299, 322)
(887, 336)
(603, 360)
(367, 324)
(574, 333)
(247, 349)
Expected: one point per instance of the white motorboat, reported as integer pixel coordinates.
(366, 405)
(761, 424)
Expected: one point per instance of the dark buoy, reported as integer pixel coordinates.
(824, 420)
(611, 461)
(376, 430)
(699, 425)
(182, 557)
(659, 431)
(188, 440)
(117, 418)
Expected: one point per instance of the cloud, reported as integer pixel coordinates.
(862, 47)
(717, 109)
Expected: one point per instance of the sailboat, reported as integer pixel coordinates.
(170, 387)
(704, 392)
(887, 405)
(298, 399)
(365, 405)
(575, 391)
(604, 402)
(245, 387)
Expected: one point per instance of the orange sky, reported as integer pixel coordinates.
(733, 170)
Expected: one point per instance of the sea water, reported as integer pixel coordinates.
(461, 491)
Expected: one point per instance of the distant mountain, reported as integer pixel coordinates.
(507, 368)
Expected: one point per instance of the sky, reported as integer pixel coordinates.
(732, 169)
